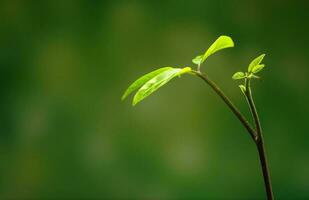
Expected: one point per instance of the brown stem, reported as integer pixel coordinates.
(256, 135)
(265, 170)
(259, 142)
(228, 102)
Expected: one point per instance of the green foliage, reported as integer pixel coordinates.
(142, 80)
(152, 81)
(257, 68)
(238, 75)
(197, 60)
(158, 81)
(221, 43)
(253, 68)
(255, 62)
(243, 89)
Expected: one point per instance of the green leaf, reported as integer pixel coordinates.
(243, 89)
(158, 81)
(257, 68)
(238, 75)
(255, 62)
(198, 60)
(142, 80)
(221, 43)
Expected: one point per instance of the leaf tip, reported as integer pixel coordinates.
(262, 56)
(134, 102)
(123, 97)
(228, 40)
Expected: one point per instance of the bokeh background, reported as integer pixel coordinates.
(65, 134)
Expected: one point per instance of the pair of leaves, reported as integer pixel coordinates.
(254, 67)
(221, 43)
(152, 81)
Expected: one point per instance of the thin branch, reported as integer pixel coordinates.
(228, 102)
(253, 108)
(259, 142)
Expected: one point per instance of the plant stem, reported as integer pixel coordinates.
(256, 135)
(259, 142)
(228, 102)
(252, 107)
(265, 170)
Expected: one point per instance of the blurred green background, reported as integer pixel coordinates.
(65, 134)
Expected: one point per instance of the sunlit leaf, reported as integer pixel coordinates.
(255, 62)
(142, 80)
(238, 75)
(158, 81)
(198, 60)
(257, 68)
(221, 43)
(243, 89)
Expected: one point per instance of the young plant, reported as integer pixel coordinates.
(152, 81)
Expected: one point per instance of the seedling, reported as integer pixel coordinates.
(152, 81)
